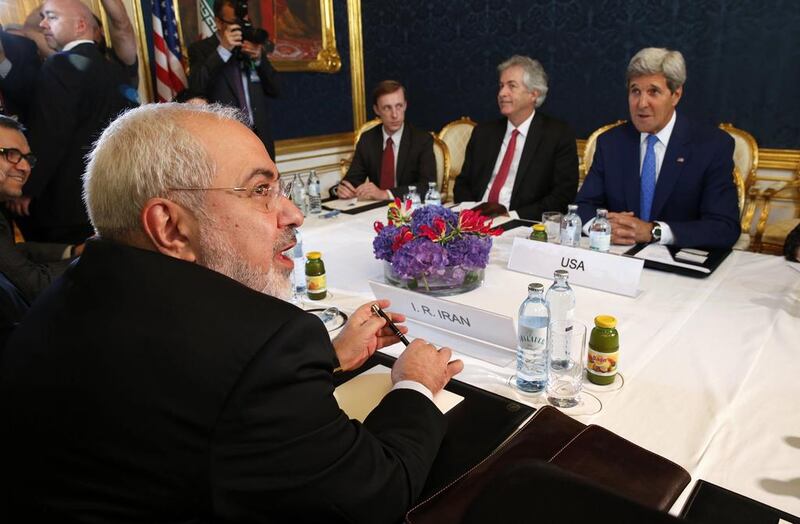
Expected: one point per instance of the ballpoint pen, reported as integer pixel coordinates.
(378, 311)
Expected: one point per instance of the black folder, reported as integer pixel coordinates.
(715, 258)
(475, 427)
(711, 504)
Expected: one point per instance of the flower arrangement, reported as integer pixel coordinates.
(434, 249)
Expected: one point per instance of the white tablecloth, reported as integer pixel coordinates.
(712, 379)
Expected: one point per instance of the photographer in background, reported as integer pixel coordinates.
(231, 67)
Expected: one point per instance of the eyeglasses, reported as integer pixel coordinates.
(14, 155)
(268, 193)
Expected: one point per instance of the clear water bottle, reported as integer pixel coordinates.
(416, 201)
(600, 232)
(433, 197)
(532, 341)
(560, 301)
(298, 258)
(571, 226)
(299, 196)
(314, 196)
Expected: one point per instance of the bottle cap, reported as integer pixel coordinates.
(313, 255)
(538, 227)
(605, 321)
(533, 286)
(561, 273)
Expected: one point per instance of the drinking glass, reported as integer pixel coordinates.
(552, 223)
(566, 338)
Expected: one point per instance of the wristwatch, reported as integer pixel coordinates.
(655, 233)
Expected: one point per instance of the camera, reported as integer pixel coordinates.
(250, 33)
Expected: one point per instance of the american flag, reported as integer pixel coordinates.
(170, 76)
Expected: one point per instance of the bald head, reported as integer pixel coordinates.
(64, 21)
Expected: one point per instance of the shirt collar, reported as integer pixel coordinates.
(395, 136)
(76, 43)
(664, 134)
(523, 127)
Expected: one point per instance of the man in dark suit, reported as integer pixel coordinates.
(162, 379)
(79, 91)
(30, 266)
(19, 65)
(662, 177)
(226, 69)
(525, 163)
(390, 157)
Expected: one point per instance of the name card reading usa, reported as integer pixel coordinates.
(458, 318)
(603, 271)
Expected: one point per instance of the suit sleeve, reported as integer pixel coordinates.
(268, 77)
(358, 172)
(284, 451)
(204, 64)
(593, 191)
(463, 190)
(718, 225)
(53, 118)
(424, 165)
(564, 179)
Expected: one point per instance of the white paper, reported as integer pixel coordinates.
(361, 394)
(687, 256)
(659, 253)
(347, 204)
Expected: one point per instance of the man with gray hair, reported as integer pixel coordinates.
(663, 178)
(526, 162)
(162, 380)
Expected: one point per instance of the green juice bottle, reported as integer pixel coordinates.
(315, 276)
(601, 368)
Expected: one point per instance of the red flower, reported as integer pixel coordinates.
(378, 226)
(403, 237)
(470, 221)
(435, 233)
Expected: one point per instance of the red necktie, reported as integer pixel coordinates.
(505, 166)
(387, 166)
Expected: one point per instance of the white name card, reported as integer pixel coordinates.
(475, 332)
(603, 271)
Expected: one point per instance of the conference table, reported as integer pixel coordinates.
(710, 372)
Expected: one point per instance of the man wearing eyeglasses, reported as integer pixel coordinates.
(30, 266)
(162, 379)
(234, 71)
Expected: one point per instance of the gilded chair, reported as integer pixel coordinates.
(591, 145)
(770, 236)
(456, 135)
(745, 154)
(344, 164)
(442, 155)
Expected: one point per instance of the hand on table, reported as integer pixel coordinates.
(421, 362)
(627, 229)
(346, 190)
(491, 209)
(369, 191)
(365, 333)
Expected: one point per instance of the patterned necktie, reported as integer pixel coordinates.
(387, 165)
(648, 183)
(505, 166)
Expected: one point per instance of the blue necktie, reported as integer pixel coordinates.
(648, 178)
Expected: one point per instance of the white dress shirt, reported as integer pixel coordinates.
(504, 197)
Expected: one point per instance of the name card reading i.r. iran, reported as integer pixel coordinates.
(464, 320)
(603, 271)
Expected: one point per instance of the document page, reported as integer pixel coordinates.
(659, 253)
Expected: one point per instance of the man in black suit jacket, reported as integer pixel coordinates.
(79, 91)
(19, 65)
(30, 266)
(235, 72)
(381, 172)
(540, 172)
(160, 379)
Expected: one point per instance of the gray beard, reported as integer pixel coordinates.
(217, 253)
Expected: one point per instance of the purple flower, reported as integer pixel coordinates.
(382, 243)
(420, 256)
(427, 214)
(469, 251)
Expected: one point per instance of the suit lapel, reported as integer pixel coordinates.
(676, 156)
(402, 154)
(631, 176)
(529, 150)
(498, 133)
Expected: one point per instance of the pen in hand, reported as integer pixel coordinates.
(378, 311)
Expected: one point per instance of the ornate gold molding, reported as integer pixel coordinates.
(311, 143)
(328, 59)
(779, 159)
(356, 63)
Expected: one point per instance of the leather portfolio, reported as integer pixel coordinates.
(709, 504)
(591, 452)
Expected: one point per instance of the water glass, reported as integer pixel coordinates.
(565, 381)
(552, 223)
